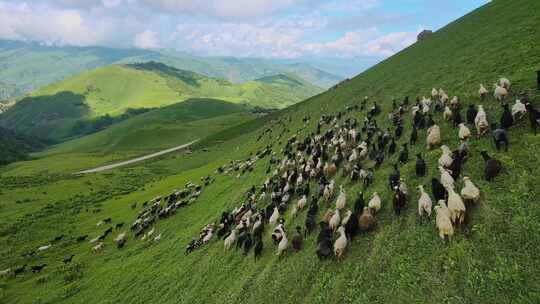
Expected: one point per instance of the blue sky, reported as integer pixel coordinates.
(291, 29)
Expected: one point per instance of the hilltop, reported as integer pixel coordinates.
(493, 258)
(62, 110)
(27, 66)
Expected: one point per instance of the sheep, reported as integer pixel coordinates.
(424, 202)
(329, 169)
(444, 224)
(340, 244)
(447, 114)
(420, 166)
(507, 120)
(37, 268)
(342, 199)
(482, 92)
(257, 251)
(433, 137)
(5, 273)
(157, 238)
(434, 93)
(297, 239)
(399, 200)
(492, 166)
(470, 193)
(499, 92)
(68, 259)
(471, 114)
(480, 122)
(283, 244)
(518, 110)
(438, 190)
(505, 83)
(94, 240)
(99, 247)
(375, 202)
(464, 133)
(500, 137)
(230, 240)
(335, 220)
(446, 157)
(45, 247)
(274, 217)
(324, 241)
(327, 216)
(534, 116)
(456, 206)
(446, 178)
(301, 202)
(366, 221)
(121, 240)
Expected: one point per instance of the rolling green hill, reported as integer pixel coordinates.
(28, 66)
(493, 258)
(56, 111)
(15, 147)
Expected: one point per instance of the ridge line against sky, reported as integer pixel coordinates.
(285, 29)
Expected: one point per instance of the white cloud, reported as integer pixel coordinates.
(221, 8)
(147, 40)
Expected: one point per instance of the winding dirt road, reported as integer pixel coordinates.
(136, 160)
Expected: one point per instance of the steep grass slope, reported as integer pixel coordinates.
(493, 259)
(56, 111)
(15, 147)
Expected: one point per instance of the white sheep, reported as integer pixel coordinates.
(230, 240)
(434, 93)
(518, 110)
(433, 136)
(283, 244)
(158, 238)
(346, 218)
(482, 92)
(375, 202)
(403, 187)
(505, 83)
(470, 192)
(447, 114)
(464, 133)
(207, 237)
(456, 206)
(335, 220)
(45, 247)
(454, 103)
(499, 92)
(94, 240)
(480, 121)
(99, 247)
(446, 157)
(302, 202)
(444, 224)
(341, 201)
(424, 202)
(340, 244)
(446, 179)
(274, 217)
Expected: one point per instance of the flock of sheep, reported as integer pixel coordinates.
(358, 152)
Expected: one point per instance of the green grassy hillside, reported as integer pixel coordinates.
(493, 259)
(160, 129)
(56, 111)
(15, 147)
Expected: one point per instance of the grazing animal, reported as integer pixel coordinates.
(274, 217)
(335, 220)
(433, 137)
(507, 120)
(19, 270)
(447, 114)
(99, 247)
(492, 166)
(257, 251)
(297, 239)
(82, 238)
(301, 203)
(482, 92)
(424, 202)
(359, 203)
(324, 241)
(446, 157)
(399, 200)
(534, 116)
(471, 114)
(248, 242)
(505, 83)
(446, 178)
(404, 155)
(68, 259)
(438, 190)
(366, 221)
(375, 202)
(121, 240)
(518, 110)
(500, 137)
(342, 199)
(464, 133)
(470, 193)
(45, 247)
(340, 244)
(37, 268)
(420, 166)
(499, 92)
(230, 240)
(456, 207)
(283, 244)
(444, 224)
(480, 122)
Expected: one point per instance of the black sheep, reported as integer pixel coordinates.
(457, 118)
(471, 114)
(394, 176)
(404, 155)
(500, 137)
(324, 241)
(438, 190)
(392, 147)
(297, 239)
(82, 238)
(68, 259)
(58, 238)
(248, 242)
(399, 130)
(430, 121)
(492, 166)
(399, 200)
(257, 251)
(351, 227)
(455, 166)
(37, 268)
(19, 269)
(534, 116)
(420, 166)
(360, 203)
(507, 120)
(414, 135)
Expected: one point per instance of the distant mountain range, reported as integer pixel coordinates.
(25, 67)
(95, 99)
